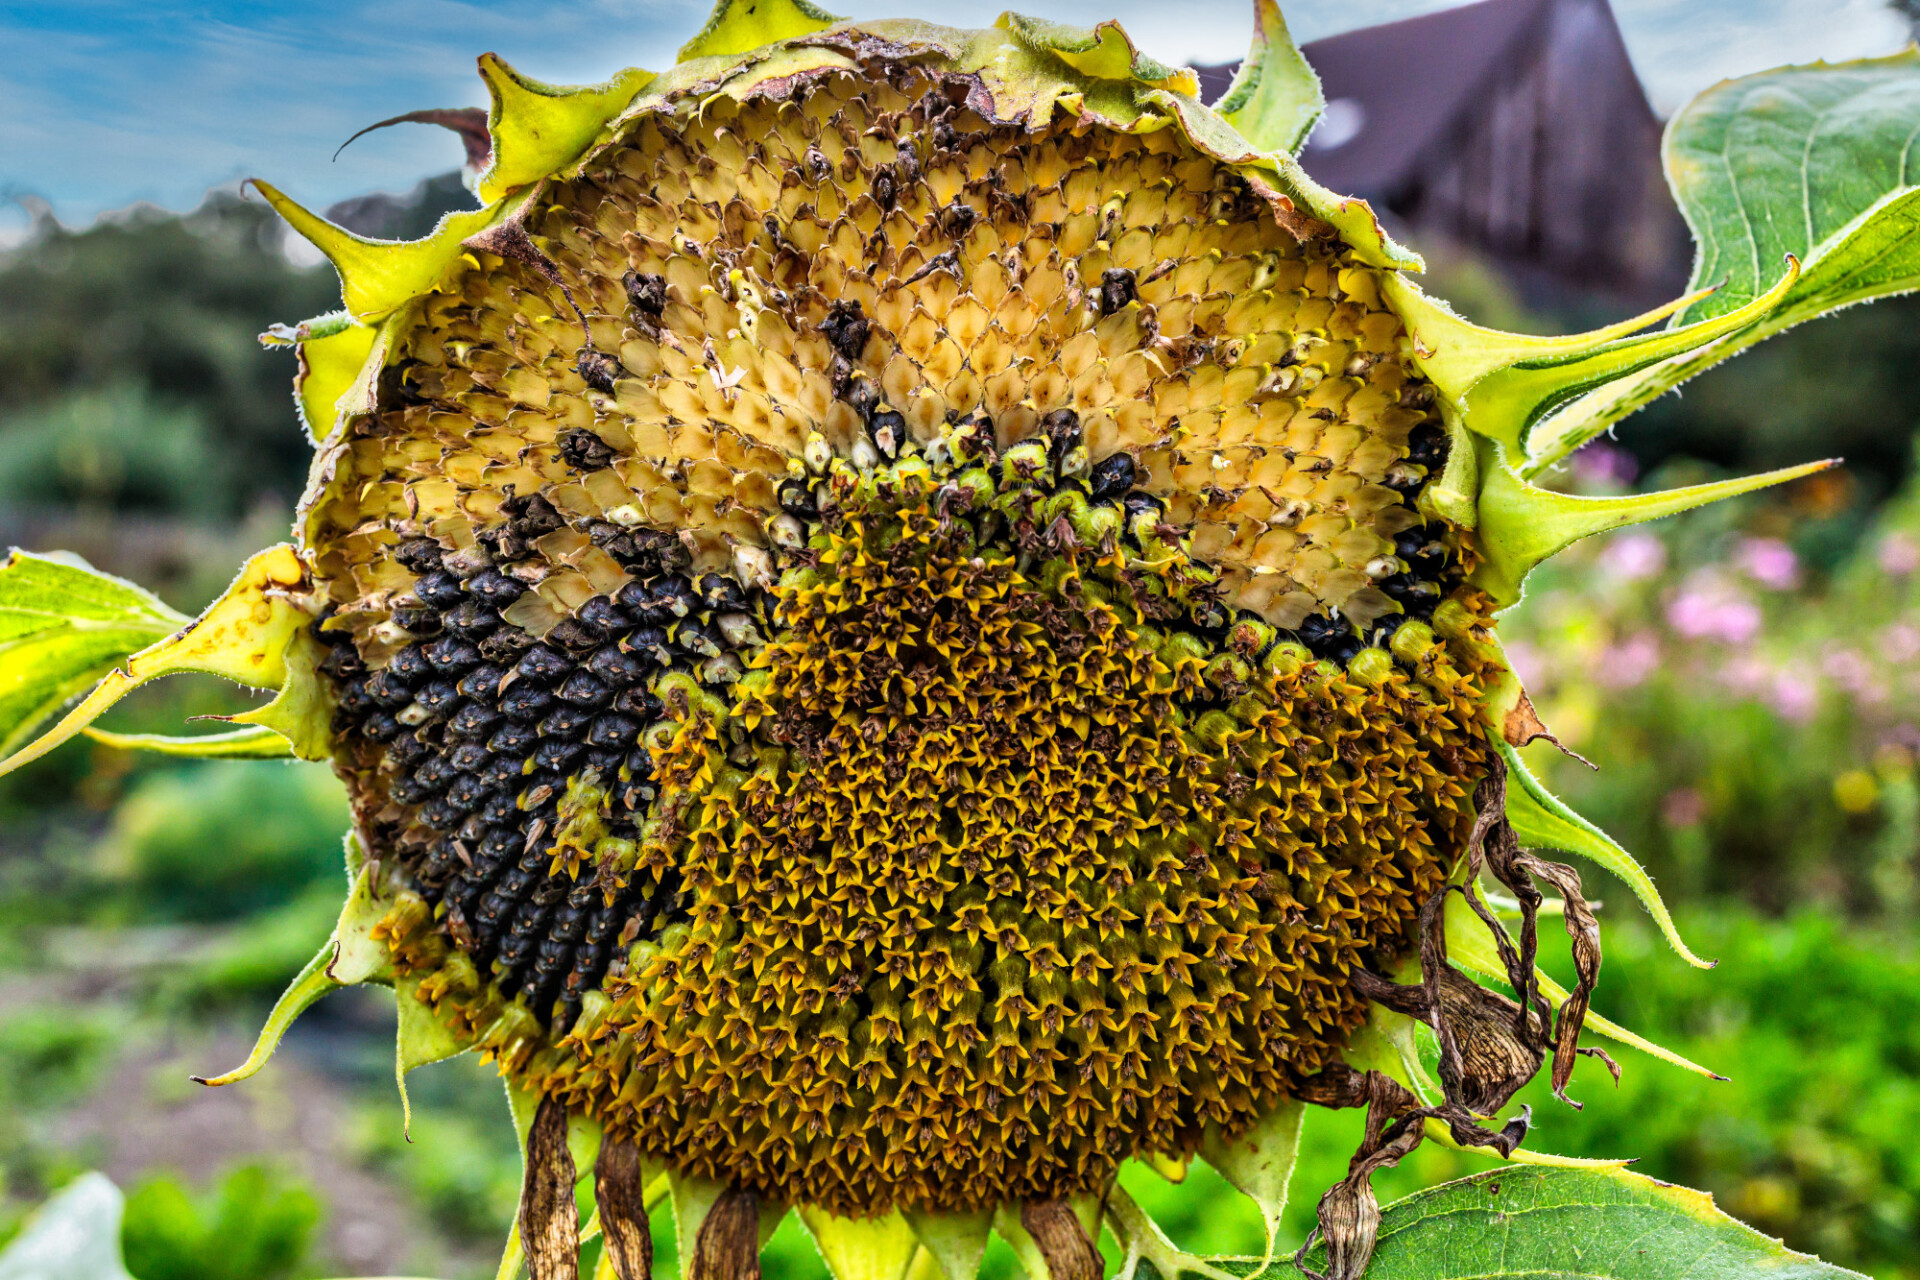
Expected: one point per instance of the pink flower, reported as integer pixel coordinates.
(1850, 670)
(1603, 466)
(1527, 662)
(1633, 556)
(1712, 610)
(1769, 562)
(1846, 668)
(1746, 675)
(1793, 697)
(1900, 642)
(1898, 554)
(1627, 663)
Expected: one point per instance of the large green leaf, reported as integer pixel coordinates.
(1820, 162)
(63, 625)
(1559, 1224)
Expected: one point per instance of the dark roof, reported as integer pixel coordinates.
(1516, 127)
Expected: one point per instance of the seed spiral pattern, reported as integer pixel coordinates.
(892, 649)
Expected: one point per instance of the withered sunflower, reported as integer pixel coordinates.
(908, 616)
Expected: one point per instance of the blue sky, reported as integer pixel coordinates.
(104, 103)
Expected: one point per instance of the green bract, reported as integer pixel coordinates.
(909, 614)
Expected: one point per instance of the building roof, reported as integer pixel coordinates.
(1515, 127)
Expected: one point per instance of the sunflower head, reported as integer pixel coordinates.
(908, 615)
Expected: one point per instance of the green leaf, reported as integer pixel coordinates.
(63, 625)
(737, 26)
(1568, 1224)
(957, 1241)
(1541, 820)
(420, 1039)
(379, 276)
(1789, 161)
(862, 1248)
(252, 743)
(1104, 52)
(1821, 162)
(308, 986)
(1522, 526)
(74, 1236)
(358, 956)
(1275, 97)
(243, 636)
(1260, 1161)
(539, 128)
(1507, 382)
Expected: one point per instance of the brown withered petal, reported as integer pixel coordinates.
(728, 1247)
(1489, 1045)
(1516, 868)
(1489, 1048)
(1584, 932)
(1062, 1241)
(619, 1188)
(1349, 1213)
(549, 1220)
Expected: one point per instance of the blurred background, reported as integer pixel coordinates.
(1745, 677)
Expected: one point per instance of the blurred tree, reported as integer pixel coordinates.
(138, 336)
(116, 447)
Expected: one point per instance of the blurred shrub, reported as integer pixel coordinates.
(115, 447)
(51, 1053)
(250, 965)
(217, 840)
(256, 1225)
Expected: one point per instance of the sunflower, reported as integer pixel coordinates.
(908, 617)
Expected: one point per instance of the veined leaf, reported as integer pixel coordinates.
(1821, 162)
(63, 625)
(1563, 1224)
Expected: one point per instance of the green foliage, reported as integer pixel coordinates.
(1812, 161)
(248, 966)
(63, 625)
(193, 845)
(51, 1053)
(1563, 1224)
(255, 1225)
(462, 1165)
(1275, 98)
